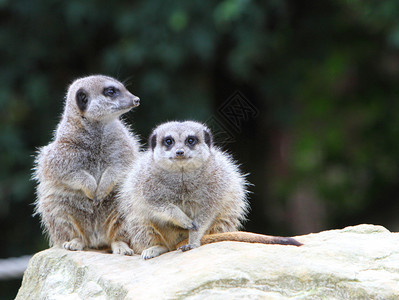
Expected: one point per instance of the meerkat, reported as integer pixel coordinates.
(78, 172)
(184, 187)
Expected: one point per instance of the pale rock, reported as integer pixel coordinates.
(359, 262)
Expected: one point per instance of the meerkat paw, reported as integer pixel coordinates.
(90, 193)
(121, 248)
(191, 226)
(90, 187)
(101, 195)
(74, 245)
(153, 252)
(187, 247)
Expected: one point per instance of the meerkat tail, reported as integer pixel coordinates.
(246, 237)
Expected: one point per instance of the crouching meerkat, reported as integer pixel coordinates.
(184, 187)
(78, 172)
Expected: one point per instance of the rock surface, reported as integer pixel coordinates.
(359, 262)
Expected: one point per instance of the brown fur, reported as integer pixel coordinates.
(79, 171)
(246, 237)
(177, 190)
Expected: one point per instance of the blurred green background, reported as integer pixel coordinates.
(320, 143)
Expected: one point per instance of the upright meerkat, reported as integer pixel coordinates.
(184, 187)
(78, 172)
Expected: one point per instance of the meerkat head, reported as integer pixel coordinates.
(99, 98)
(179, 146)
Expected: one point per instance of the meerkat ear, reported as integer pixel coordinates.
(153, 141)
(82, 99)
(208, 138)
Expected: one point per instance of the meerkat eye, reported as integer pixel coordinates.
(111, 91)
(168, 141)
(191, 140)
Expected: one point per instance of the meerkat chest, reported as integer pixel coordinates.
(185, 188)
(99, 154)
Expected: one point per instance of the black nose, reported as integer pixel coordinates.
(136, 101)
(180, 152)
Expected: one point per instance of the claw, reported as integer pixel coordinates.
(194, 226)
(187, 247)
(96, 200)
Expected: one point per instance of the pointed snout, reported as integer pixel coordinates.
(136, 101)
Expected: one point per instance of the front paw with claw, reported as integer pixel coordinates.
(89, 187)
(187, 247)
(192, 226)
(102, 193)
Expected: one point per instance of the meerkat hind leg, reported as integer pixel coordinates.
(75, 245)
(153, 251)
(121, 248)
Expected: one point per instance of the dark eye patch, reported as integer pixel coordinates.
(191, 141)
(208, 138)
(82, 99)
(111, 92)
(168, 142)
(153, 141)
